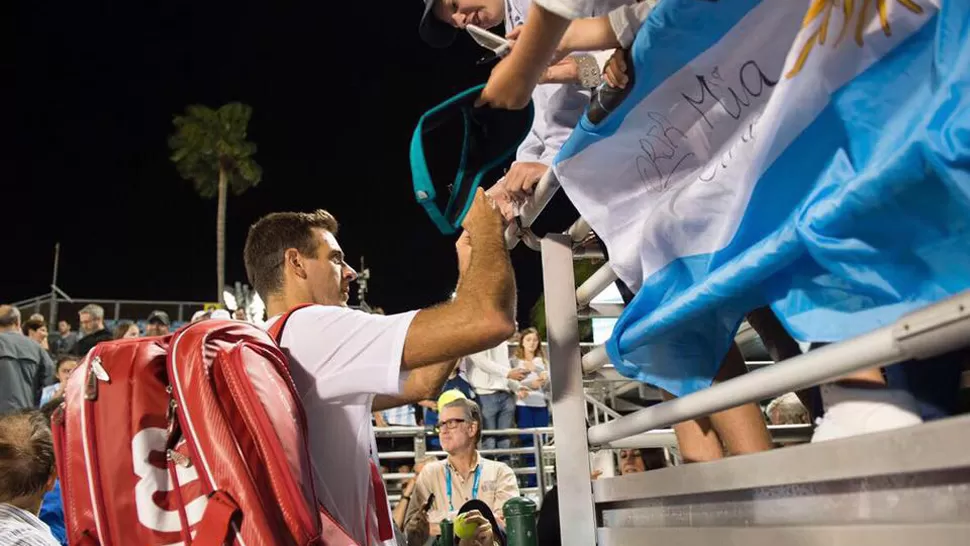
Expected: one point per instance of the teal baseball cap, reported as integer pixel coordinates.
(455, 147)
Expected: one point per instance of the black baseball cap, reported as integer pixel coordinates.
(433, 31)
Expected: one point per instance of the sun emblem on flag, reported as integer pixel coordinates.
(823, 9)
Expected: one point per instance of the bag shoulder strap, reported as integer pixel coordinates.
(276, 330)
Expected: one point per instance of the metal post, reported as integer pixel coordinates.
(540, 465)
(117, 310)
(53, 309)
(576, 516)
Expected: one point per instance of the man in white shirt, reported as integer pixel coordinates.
(495, 382)
(347, 363)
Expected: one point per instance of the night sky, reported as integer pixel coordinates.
(336, 89)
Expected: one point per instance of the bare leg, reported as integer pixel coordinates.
(781, 346)
(741, 429)
(697, 440)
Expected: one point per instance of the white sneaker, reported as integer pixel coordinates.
(852, 411)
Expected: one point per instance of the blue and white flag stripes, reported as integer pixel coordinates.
(813, 155)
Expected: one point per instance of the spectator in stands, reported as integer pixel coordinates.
(63, 343)
(52, 507)
(126, 329)
(463, 477)
(36, 331)
(407, 490)
(26, 474)
(92, 326)
(25, 367)
(456, 381)
(495, 382)
(65, 365)
(787, 410)
(157, 324)
(347, 363)
(531, 410)
(632, 461)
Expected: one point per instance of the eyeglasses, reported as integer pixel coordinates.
(451, 424)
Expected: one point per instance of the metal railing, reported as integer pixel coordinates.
(661, 439)
(538, 450)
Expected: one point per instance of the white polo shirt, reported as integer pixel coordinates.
(339, 359)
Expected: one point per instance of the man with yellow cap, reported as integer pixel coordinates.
(457, 383)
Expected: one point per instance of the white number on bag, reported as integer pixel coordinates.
(153, 478)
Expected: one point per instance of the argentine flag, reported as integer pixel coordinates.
(813, 155)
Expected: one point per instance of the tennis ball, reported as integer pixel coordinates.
(448, 397)
(464, 529)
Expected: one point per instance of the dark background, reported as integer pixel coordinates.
(336, 89)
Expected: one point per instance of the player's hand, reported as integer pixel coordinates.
(506, 204)
(483, 216)
(517, 374)
(463, 248)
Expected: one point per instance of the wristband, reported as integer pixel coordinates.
(589, 72)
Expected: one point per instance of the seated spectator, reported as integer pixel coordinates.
(26, 474)
(407, 490)
(787, 409)
(463, 477)
(457, 382)
(632, 461)
(65, 365)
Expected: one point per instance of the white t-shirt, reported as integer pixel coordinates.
(339, 359)
(535, 398)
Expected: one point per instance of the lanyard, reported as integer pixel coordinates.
(478, 474)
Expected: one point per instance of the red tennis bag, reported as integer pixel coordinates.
(198, 438)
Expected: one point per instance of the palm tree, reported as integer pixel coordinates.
(209, 147)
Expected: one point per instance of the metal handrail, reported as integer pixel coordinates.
(925, 333)
(544, 191)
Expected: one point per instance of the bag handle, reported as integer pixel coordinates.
(216, 520)
(276, 330)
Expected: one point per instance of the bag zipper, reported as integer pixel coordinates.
(172, 458)
(96, 373)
